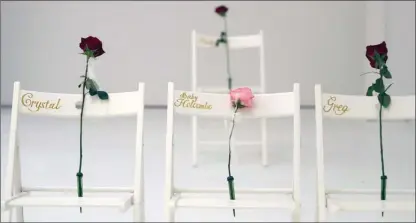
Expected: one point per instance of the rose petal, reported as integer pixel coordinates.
(94, 44)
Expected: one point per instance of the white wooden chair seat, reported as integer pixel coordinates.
(201, 41)
(122, 199)
(369, 200)
(33, 103)
(277, 105)
(357, 107)
(245, 199)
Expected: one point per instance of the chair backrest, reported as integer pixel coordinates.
(363, 107)
(59, 105)
(272, 105)
(64, 105)
(234, 42)
(350, 107)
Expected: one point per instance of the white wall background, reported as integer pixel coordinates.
(306, 42)
(400, 35)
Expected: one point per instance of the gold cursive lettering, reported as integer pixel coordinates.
(190, 101)
(336, 108)
(35, 105)
(207, 41)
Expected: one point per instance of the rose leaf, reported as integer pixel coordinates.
(90, 83)
(384, 99)
(378, 86)
(102, 95)
(217, 43)
(385, 72)
(92, 91)
(370, 90)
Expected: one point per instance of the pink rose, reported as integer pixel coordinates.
(242, 97)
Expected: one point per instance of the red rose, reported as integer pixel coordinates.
(381, 49)
(94, 44)
(221, 10)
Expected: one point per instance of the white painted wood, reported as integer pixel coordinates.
(192, 103)
(74, 189)
(367, 191)
(296, 152)
(138, 196)
(13, 160)
(272, 105)
(26, 200)
(364, 107)
(240, 190)
(211, 89)
(320, 180)
(335, 205)
(235, 42)
(354, 107)
(63, 106)
(169, 213)
(254, 202)
(199, 40)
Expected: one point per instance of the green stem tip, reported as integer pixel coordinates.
(231, 190)
(383, 189)
(79, 187)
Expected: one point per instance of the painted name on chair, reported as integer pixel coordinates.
(191, 101)
(332, 106)
(34, 105)
(207, 41)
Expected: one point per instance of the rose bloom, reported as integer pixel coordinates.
(380, 49)
(242, 97)
(93, 44)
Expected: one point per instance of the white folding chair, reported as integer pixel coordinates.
(275, 105)
(359, 108)
(235, 43)
(16, 196)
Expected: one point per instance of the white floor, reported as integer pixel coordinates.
(49, 153)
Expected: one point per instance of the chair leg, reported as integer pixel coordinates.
(194, 142)
(264, 152)
(6, 216)
(170, 214)
(320, 216)
(296, 215)
(138, 213)
(17, 212)
(13, 214)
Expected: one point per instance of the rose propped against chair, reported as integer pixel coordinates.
(60, 105)
(237, 104)
(377, 56)
(222, 11)
(224, 41)
(92, 48)
(240, 98)
(382, 107)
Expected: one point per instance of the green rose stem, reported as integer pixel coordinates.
(230, 178)
(79, 174)
(384, 101)
(227, 52)
(383, 175)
